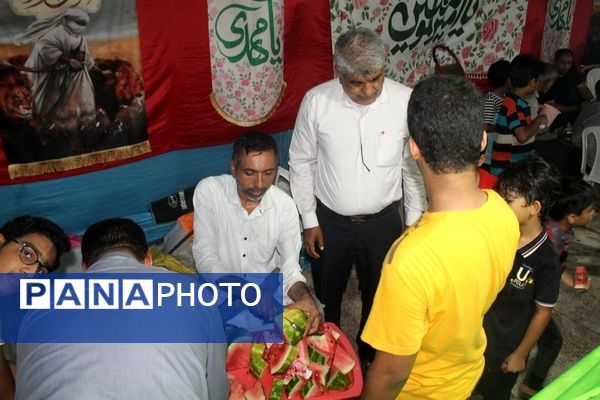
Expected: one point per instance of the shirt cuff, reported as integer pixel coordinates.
(288, 282)
(309, 220)
(412, 217)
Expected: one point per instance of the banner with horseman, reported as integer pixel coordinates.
(71, 91)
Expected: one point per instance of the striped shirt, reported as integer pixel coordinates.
(491, 106)
(514, 113)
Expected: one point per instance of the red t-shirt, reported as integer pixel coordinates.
(486, 180)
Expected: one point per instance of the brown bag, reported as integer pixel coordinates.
(448, 69)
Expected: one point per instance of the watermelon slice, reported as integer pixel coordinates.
(338, 381)
(336, 335)
(276, 390)
(294, 386)
(323, 342)
(258, 365)
(316, 357)
(294, 325)
(303, 352)
(256, 392)
(321, 375)
(238, 356)
(280, 356)
(342, 361)
(297, 368)
(311, 389)
(236, 388)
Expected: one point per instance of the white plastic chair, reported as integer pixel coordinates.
(592, 77)
(594, 175)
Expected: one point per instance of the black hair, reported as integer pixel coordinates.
(562, 52)
(533, 179)
(252, 142)
(26, 224)
(524, 68)
(111, 234)
(576, 196)
(498, 73)
(445, 119)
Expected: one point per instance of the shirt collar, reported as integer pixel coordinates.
(233, 198)
(383, 98)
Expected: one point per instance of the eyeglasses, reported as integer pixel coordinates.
(29, 255)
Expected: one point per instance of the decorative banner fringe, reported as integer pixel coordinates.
(246, 123)
(82, 160)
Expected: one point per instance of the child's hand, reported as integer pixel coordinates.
(514, 363)
(567, 279)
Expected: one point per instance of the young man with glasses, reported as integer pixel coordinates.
(31, 244)
(27, 245)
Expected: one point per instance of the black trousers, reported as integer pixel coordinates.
(548, 347)
(495, 384)
(347, 243)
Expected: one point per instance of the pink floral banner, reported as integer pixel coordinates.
(557, 29)
(479, 32)
(246, 52)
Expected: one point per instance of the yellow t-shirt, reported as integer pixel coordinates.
(438, 281)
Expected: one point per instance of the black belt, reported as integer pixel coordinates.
(357, 218)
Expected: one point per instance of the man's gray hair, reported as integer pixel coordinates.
(359, 51)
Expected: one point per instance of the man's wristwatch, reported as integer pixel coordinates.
(542, 126)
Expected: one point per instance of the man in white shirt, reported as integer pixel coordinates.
(242, 223)
(350, 169)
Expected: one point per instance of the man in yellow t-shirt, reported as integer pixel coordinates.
(443, 274)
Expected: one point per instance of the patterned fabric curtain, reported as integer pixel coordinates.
(479, 32)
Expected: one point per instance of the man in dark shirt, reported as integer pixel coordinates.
(568, 92)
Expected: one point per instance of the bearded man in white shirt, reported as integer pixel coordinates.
(350, 169)
(242, 223)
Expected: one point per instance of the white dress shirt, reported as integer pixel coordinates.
(326, 160)
(227, 239)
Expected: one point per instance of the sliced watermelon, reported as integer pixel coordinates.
(297, 368)
(316, 357)
(276, 390)
(258, 365)
(236, 388)
(342, 361)
(324, 342)
(321, 376)
(280, 356)
(303, 352)
(238, 356)
(338, 380)
(311, 389)
(294, 325)
(294, 386)
(336, 335)
(256, 392)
